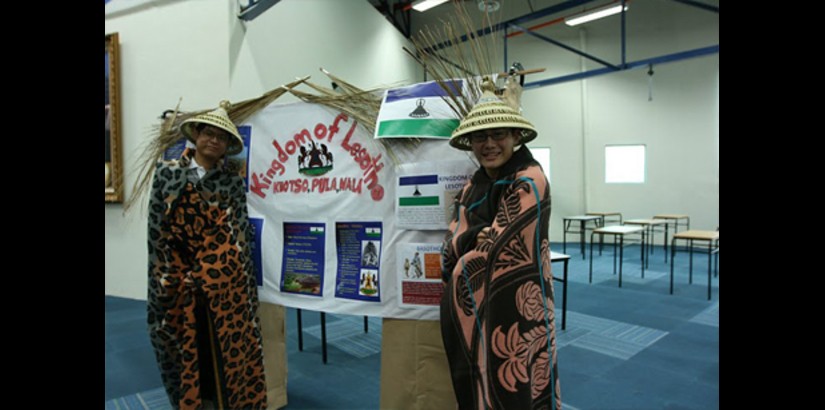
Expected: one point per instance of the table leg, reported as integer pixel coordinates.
(564, 294)
(581, 237)
(690, 271)
(564, 236)
(590, 277)
(710, 257)
(665, 242)
(615, 241)
(300, 333)
(366, 325)
(672, 257)
(621, 256)
(645, 260)
(324, 337)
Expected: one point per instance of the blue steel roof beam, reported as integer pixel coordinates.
(703, 6)
(565, 5)
(668, 58)
(566, 47)
(527, 17)
(624, 61)
(255, 9)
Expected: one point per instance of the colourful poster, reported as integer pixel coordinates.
(312, 164)
(420, 277)
(303, 258)
(241, 159)
(358, 245)
(426, 191)
(175, 151)
(417, 111)
(257, 230)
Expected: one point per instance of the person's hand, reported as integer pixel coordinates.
(483, 235)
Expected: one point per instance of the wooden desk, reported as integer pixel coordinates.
(711, 237)
(650, 225)
(618, 232)
(560, 257)
(675, 220)
(604, 215)
(567, 221)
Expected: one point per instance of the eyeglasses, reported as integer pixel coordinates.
(210, 133)
(481, 136)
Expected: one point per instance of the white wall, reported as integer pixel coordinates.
(200, 50)
(680, 130)
(294, 38)
(166, 52)
(576, 119)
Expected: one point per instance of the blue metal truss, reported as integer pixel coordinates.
(609, 67)
(700, 5)
(254, 8)
(669, 58)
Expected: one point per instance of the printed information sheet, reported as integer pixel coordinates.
(303, 259)
(420, 278)
(358, 245)
(426, 192)
(258, 229)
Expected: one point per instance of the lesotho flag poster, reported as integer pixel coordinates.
(418, 111)
(426, 192)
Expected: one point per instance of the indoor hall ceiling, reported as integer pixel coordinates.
(656, 31)
(642, 14)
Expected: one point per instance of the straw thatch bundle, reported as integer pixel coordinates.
(446, 56)
(362, 105)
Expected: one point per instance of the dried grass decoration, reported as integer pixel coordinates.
(457, 51)
(362, 105)
(446, 56)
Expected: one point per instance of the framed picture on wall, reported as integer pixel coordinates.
(113, 160)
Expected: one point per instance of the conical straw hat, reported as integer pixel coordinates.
(217, 118)
(489, 113)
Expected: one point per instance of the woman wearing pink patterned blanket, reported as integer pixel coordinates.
(497, 314)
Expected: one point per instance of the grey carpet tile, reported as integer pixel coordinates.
(606, 336)
(154, 399)
(347, 334)
(709, 316)
(635, 347)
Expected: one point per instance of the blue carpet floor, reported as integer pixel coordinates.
(634, 347)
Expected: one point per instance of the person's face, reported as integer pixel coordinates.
(211, 142)
(493, 148)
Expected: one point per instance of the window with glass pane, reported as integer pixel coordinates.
(624, 164)
(542, 155)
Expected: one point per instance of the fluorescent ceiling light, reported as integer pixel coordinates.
(422, 5)
(594, 14)
(488, 6)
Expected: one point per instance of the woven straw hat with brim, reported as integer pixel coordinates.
(217, 118)
(490, 113)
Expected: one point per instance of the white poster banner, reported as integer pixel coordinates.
(418, 110)
(322, 196)
(420, 283)
(426, 192)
